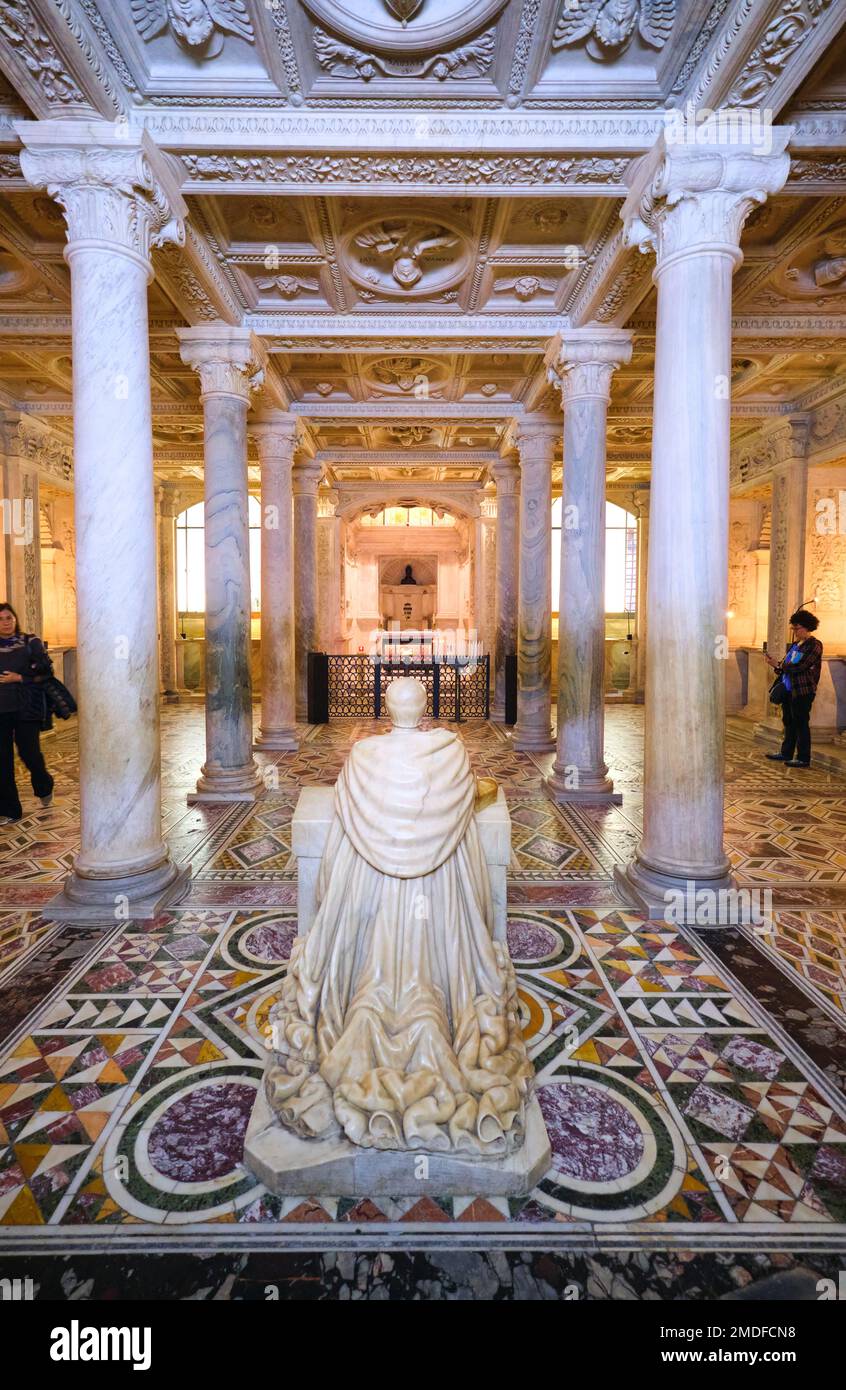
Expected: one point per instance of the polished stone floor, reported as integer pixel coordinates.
(691, 1080)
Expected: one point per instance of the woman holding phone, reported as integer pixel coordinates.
(799, 669)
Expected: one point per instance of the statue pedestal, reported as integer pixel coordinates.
(310, 830)
(294, 1167)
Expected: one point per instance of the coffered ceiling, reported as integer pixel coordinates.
(406, 199)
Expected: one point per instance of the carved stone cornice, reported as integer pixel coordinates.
(581, 362)
(228, 361)
(689, 198)
(117, 193)
(40, 446)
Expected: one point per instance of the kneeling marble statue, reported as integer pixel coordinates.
(397, 1028)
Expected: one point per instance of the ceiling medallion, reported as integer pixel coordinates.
(402, 256)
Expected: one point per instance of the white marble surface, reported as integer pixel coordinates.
(398, 998)
(117, 200)
(306, 478)
(536, 442)
(276, 439)
(228, 362)
(585, 359)
(690, 206)
(312, 822)
(506, 475)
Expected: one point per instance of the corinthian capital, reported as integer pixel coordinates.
(581, 362)
(116, 190)
(694, 197)
(228, 361)
(277, 434)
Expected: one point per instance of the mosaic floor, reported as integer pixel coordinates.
(690, 1081)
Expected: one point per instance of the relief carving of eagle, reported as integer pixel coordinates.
(609, 25)
(194, 23)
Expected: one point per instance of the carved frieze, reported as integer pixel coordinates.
(346, 61)
(409, 171)
(29, 41)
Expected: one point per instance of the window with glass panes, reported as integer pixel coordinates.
(191, 560)
(620, 558)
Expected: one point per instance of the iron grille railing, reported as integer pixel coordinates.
(357, 685)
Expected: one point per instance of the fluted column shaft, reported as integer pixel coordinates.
(506, 475)
(119, 197)
(306, 478)
(228, 361)
(276, 439)
(690, 204)
(536, 443)
(584, 362)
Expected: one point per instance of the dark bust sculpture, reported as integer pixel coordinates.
(408, 577)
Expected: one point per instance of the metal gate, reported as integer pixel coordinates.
(455, 690)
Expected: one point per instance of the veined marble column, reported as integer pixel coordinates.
(168, 508)
(328, 636)
(690, 203)
(119, 197)
(229, 362)
(787, 532)
(583, 361)
(276, 437)
(506, 475)
(638, 678)
(306, 478)
(536, 443)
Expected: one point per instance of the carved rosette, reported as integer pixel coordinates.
(228, 361)
(581, 363)
(116, 193)
(689, 198)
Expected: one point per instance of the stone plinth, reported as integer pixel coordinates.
(290, 1166)
(310, 831)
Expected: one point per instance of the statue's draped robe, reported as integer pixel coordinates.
(398, 1023)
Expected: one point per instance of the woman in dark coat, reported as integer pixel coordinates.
(23, 664)
(799, 669)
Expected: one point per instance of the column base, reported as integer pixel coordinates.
(770, 731)
(242, 783)
(533, 740)
(276, 740)
(592, 788)
(87, 901)
(671, 898)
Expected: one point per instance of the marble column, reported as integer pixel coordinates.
(787, 533)
(168, 508)
(306, 479)
(637, 680)
(689, 203)
(276, 436)
(582, 363)
(119, 197)
(536, 444)
(506, 475)
(229, 362)
(328, 637)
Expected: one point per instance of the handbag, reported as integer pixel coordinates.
(58, 698)
(778, 692)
